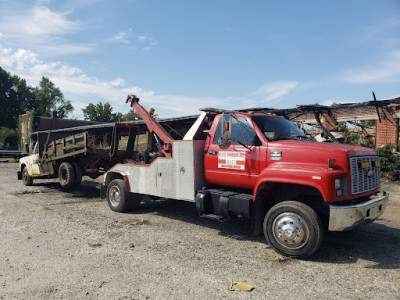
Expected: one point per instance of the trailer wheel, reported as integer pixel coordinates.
(26, 178)
(293, 229)
(66, 175)
(78, 173)
(119, 200)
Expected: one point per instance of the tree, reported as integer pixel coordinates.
(99, 112)
(15, 98)
(49, 97)
(8, 138)
(130, 116)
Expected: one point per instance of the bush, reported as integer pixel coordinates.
(390, 161)
(8, 137)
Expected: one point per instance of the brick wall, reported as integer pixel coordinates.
(387, 131)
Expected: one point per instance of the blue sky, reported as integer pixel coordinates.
(178, 56)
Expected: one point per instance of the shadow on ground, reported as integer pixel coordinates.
(375, 243)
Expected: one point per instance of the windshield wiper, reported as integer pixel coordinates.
(292, 137)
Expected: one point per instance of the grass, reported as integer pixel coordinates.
(278, 258)
(32, 192)
(79, 201)
(91, 180)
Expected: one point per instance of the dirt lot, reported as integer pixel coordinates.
(70, 245)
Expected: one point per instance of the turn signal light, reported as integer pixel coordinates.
(364, 164)
(377, 163)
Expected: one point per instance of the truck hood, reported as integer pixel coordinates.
(309, 153)
(328, 148)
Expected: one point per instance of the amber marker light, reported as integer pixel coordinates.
(364, 165)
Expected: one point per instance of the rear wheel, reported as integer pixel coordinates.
(66, 175)
(119, 200)
(26, 178)
(293, 229)
(78, 173)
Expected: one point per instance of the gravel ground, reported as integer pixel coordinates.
(69, 245)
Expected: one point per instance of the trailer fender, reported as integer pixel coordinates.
(110, 176)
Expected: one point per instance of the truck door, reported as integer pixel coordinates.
(33, 163)
(239, 162)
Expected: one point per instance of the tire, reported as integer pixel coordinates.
(78, 173)
(293, 229)
(119, 200)
(143, 157)
(26, 178)
(66, 175)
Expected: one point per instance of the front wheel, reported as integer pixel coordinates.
(293, 229)
(119, 200)
(26, 178)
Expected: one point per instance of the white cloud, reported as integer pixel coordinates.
(140, 42)
(146, 42)
(39, 22)
(387, 70)
(330, 102)
(378, 29)
(122, 37)
(42, 29)
(82, 89)
(275, 90)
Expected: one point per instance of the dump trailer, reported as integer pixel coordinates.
(73, 152)
(257, 166)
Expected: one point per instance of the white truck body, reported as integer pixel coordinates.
(179, 177)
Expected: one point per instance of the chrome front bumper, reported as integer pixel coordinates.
(343, 218)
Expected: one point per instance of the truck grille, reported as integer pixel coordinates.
(364, 179)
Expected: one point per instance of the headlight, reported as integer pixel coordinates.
(341, 187)
(337, 183)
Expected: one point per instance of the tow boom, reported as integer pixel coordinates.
(165, 146)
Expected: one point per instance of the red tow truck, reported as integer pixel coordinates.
(257, 166)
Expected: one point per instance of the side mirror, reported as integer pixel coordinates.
(226, 134)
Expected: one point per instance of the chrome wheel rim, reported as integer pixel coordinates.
(114, 196)
(290, 230)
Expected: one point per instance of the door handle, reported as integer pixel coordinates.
(212, 152)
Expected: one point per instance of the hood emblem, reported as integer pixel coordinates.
(370, 173)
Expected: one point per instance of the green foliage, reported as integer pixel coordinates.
(368, 123)
(353, 138)
(8, 137)
(103, 113)
(99, 112)
(390, 162)
(15, 98)
(341, 126)
(368, 142)
(130, 116)
(49, 97)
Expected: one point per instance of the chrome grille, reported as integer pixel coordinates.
(360, 180)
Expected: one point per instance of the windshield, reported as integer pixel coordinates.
(276, 128)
